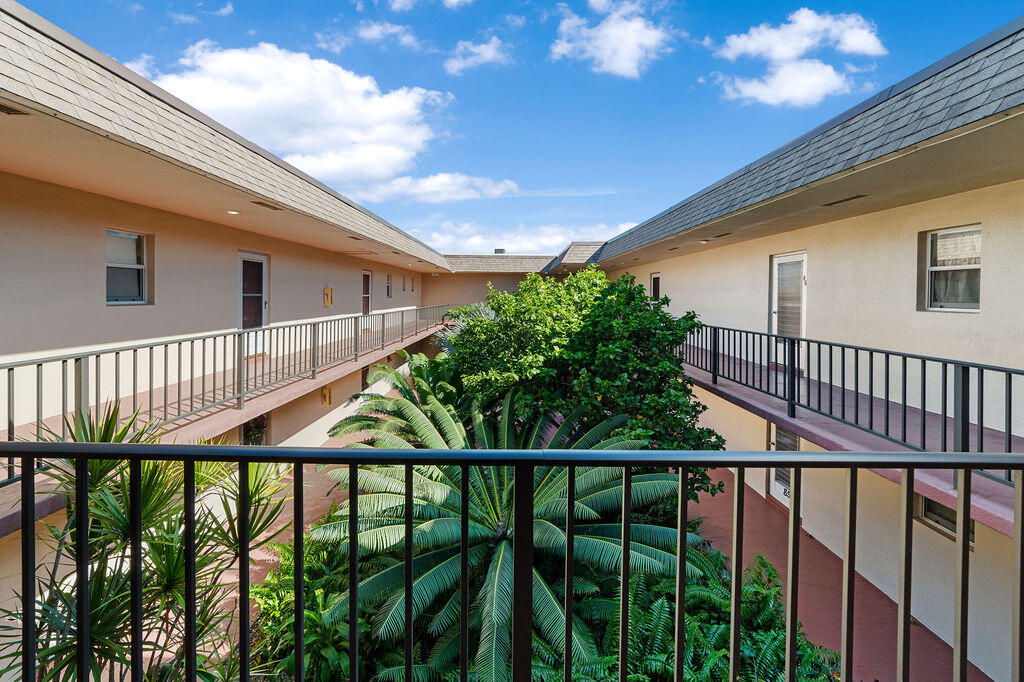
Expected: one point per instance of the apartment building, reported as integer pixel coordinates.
(195, 277)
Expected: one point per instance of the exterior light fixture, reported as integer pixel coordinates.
(230, 212)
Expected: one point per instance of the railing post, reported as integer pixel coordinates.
(714, 354)
(522, 573)
(315, 353)
(962, 408)
(357, 324)
(403, 325)
(239, 370)
(81, 395)
(791, 367)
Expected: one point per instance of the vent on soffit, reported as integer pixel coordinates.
(11, 111)
(266, 205)
(843, 201)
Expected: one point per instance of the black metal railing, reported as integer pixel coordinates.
(173, 379)
(918, 401)
(523, 464)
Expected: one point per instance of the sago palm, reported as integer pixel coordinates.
(415, 418)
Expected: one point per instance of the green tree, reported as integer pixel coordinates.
(588, 343)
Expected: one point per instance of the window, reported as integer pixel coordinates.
(954, 269)
(403, 283)
(412, 281)
(388, 287)
(126, 267)
(938, 516)
(656, 285)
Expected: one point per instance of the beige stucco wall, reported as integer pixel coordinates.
(462, 288)
(52, 272)
(823, 514)
(862, 279)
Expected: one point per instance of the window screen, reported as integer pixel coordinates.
(126, 267)
(954, 269)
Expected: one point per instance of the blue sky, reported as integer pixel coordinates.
(522, 124)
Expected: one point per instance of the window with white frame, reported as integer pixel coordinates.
(388, 286)
(126, 267)
(954, 269)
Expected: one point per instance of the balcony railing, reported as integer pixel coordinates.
(173, 379)
(917, 401)
(523, 464)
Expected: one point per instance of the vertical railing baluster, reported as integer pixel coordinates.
(570, 565)
(849, 577)
(1008, 413)
(202, 399)
(522, 573)
(353, 571)
(736, 587)
(906, 581)
(135, 379)
(1017, 641)
(831, 381)
(924, 403)
(464, 576)
(903, 398)
(961, 408)
(871, 390)
(117, 380)
(191, 375)
(190, 570)
(299, 573)
(99, 391)
(39, 401)
(63, 399)
(243, 570)
(980, 393)
(888, 382)
(792, 360)
(409, 586)
(682, 532)
(28, 568)
(945, 407)
(627, 535)
(856, 386)
(714, 354)
(82, 654)
(961, 590)
(178, 377)
(793, 575)
(135, 566)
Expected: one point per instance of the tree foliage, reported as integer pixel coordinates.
(587, 342)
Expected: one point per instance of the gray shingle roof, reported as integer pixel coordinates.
(41, 63)
(982, 79)
(497, 263)
(577, 253)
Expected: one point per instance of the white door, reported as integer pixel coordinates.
(789, 294)
(781, 440)
(253, 300)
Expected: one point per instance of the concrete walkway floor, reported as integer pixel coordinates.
(765, 533)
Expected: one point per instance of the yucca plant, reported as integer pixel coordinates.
(164, 598)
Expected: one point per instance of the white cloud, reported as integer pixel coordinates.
(792, 78)
(806, 30)
(225, 11)
(469, 237)
(333, 41)
(515, 20)
(469, 55)
(347, 132)
(438, 188)
(380, 31)
(179, 18)
(623, 43)
(405, 5)
(142, 65)
(799, 83)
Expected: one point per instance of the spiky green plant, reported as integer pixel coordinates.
(164, 598)
(415, 418)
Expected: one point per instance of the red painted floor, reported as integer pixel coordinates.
(765, 533)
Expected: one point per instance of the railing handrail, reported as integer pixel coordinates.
(375, 456)
(104, 350)
(871, 349)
